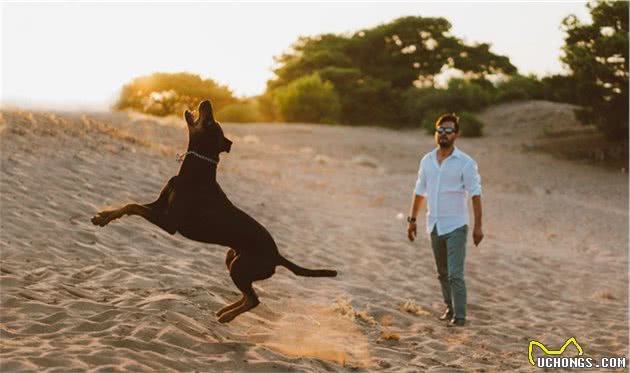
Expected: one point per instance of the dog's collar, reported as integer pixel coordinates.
(180, 157)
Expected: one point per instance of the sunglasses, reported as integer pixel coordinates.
(446, 130)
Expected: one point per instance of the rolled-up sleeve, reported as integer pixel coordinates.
(472, 179)
(421, 182)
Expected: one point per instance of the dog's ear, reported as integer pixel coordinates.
(205, 111)
(189, 118)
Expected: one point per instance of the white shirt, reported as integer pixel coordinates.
(445, 187)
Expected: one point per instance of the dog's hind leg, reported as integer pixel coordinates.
(241, 271)
(230, 307)
(229, 258)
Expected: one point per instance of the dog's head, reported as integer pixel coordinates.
(205, 135)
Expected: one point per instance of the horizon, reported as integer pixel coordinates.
(92, 49)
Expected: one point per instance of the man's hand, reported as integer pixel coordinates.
(477, 235)
(416, 203)
(411, 231)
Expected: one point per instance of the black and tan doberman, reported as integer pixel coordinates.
(193, 204)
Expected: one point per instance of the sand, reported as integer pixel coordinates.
(129, 297)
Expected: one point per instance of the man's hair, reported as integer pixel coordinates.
(448, 117)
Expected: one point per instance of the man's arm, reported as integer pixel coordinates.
(472, 184)
(416, 204)
(417, 199)
(477, 231)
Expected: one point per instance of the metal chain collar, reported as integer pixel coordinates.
(180, 157)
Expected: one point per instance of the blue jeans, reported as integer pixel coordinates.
(449, 251)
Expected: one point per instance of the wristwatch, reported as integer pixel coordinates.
(410, 219)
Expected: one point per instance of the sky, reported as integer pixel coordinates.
(79, 55)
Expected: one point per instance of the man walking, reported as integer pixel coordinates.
(445, 176)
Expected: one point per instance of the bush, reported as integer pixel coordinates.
(521, 88)
(369, 102)
(460, 95)
(561, 88)
(469, 94)
(242, 112)
(267, 107)
(309, 99)
(470, 125)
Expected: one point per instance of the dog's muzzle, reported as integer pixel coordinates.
(228, 145)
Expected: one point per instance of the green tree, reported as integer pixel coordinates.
(167, 94)
(309, 55)
(364, 100)
(597, 54)
(309, 99)
(411, 49)
(372, 69)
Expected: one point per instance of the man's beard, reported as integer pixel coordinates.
(444, 143)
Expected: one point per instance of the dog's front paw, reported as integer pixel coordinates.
(103, 218)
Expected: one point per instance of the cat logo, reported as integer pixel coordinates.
(552, 352)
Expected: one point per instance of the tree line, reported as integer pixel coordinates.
(389, 75)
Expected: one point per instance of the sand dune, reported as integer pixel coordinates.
(129, 297)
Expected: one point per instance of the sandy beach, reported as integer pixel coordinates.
(129, 297)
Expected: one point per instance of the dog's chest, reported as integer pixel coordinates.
(202, 199)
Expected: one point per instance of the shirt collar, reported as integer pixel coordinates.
(456, 152)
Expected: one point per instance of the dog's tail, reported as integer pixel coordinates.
(305, 271)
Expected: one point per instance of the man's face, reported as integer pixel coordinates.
(443, 138)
